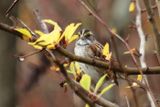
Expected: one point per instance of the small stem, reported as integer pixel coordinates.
(29, 54)
(127, 101)
(11, 7)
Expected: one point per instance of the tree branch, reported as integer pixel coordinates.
(11, 7)
(98, 63)
(9, 29)
(115, 67)
(79, 90)
(142, 51)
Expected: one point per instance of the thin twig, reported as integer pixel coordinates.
(43, 26)
(29, 54)
(127, 101)
(25, 26)
(118, 59)
(153, 7)
(11, 7)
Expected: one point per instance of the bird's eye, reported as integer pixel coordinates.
(87, 34)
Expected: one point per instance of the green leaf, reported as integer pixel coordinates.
(100, 83)
(85, 82)
(106, 89)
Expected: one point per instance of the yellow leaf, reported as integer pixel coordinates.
(87, 105)
(114, 30)
(54, 68)
(55, 24)
(66, 64)
(131, 7)
(108, 57)
(26, 34)
(50, 40)
(35, 46)
(47, 40)
(51, 46)
(69, 31)
(72, 68)
(78, 70)
(139, 77)
(74, 37)
(105, 50)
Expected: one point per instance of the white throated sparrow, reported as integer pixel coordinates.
(88, 47)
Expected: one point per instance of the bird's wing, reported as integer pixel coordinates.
(96, 48)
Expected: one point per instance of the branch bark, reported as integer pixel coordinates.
(98, 63)
(115, 67)
(154, 28)
(142, 57)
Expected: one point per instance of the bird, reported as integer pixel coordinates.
(88, 47)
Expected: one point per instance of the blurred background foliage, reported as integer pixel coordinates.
(31, 83)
